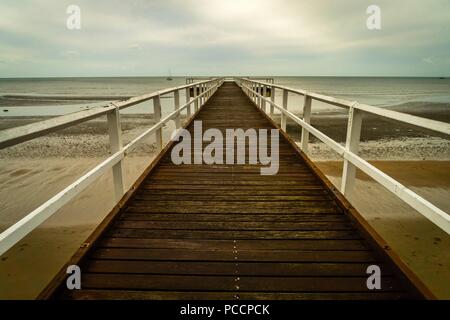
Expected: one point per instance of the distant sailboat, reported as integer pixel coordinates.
(169, 78)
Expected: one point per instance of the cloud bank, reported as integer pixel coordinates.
(216, 37)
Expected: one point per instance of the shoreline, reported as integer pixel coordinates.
(380, 140)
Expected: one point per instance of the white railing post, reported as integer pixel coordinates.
(203, 91)
(307, 118)
(176, 96)
(258, 95)
(188, 98)
(264, 93)
(351, 144)
(285, 104)
(115, 142)
(157, 115)
(272, 98)
(195, 97)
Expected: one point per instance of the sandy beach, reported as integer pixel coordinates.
(422, 245)
(30, 265)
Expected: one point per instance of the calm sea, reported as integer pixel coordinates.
(375, 91)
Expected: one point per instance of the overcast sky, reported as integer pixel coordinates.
(220, 37)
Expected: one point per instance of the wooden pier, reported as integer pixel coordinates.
(227, 232)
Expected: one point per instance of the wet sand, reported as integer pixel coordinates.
(88, 139)
(27, 268)
(424, 247)
(334, 123)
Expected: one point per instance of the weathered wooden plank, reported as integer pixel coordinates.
(236, 256)
(201, 234)
(233, 192)
(234, 204)
(262, 182)
(256, 187)
(217, 197)
(231, 268)
(227, 225)
(245, 283)
(135, 208)
(329, 245)
(202, 295)
(227, 217)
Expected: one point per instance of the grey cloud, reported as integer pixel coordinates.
(216, 36)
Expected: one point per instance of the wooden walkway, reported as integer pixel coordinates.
(226, 232)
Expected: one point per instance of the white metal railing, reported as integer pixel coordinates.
(202, 91)
(257, 90)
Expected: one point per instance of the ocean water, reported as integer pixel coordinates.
(375, 91)
(383, 92)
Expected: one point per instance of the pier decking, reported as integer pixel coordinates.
(227, 232)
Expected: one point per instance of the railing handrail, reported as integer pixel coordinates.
(425, 123)
(13, 136)
(349, 152)
(20, 229)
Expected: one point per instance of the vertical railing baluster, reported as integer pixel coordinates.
(272, 98)
(285, 106)
(202, 97)
(307, 118)
(188, 98)
(352, 145)
(264, 93)
(204, 94)
(116, 144)
(195, 98)
(258, 95)
(176, 97)
(157, 115)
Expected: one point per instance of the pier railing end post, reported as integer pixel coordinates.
(285, 106)
(351, 144)
(307, 118)
(116, 144)
(157, 118)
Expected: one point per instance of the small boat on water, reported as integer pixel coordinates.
(169, 78)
